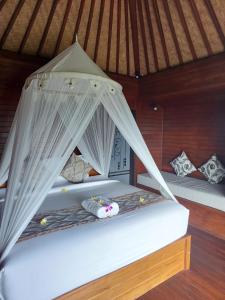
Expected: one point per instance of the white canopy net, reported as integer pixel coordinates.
(58, 111)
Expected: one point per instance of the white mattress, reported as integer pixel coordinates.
(193, 189)
(47, 266)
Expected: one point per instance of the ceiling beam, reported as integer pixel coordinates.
(110, 34)
(215, 21)
(185, 27)
(118, 35)
(161, 33)
(126, 13)
(90, 17)
(11, 22)
(80, 12)
(102, 6)
(151, 33)
(62, 29)
(172, 29)
(143, 35)
(47, 26)
(30, 25)
(200, 26)
(134, 29)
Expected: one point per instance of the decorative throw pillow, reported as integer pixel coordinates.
(182, 165)
(213, 170)
(76, 169)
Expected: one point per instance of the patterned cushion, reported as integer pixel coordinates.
(213, 170)
(182, 165)
(76, 169)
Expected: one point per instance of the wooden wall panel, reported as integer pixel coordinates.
(192, 101)
(12, 76)
(193, 80)
(130, 88)
(197, 127)
(150, 123)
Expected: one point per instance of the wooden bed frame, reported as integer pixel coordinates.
(136, 279)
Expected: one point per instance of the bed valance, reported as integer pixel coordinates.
(67, 103)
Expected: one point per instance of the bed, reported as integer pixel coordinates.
(51, 265)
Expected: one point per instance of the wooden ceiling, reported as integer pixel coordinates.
(123, 36)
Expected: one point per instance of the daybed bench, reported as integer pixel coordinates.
(197, 190)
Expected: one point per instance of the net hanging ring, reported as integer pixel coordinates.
(112, 90)
(70, 82)
(95, 84)
(42, 83)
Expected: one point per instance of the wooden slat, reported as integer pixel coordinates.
(30, 25)
(48, 24)
(170, 21)
(109, 34)
(126, 12)
(143, 35)
(151, 34)
(102, 6)
(80, 12)
(65, 18)
(161, 33)
(215, 21)
(118, 35)
(186, 30)
(134, 29)
(11, 22)
(200, 26)
(89, 24)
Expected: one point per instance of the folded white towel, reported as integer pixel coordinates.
(101, 207)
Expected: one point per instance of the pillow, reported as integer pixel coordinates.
(182, 165)
(76, 169)
(213, 170)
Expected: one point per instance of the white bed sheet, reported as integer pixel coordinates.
(48, 266)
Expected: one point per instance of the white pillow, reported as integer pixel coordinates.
(76, 169)
(213, 170)
(182, 165)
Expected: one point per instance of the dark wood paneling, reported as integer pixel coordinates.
(198, 128)
(194, 79)
(193, 101)
(130, 88)
(150, 123)
(12, 76)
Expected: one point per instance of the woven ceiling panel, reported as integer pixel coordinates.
(124, 36)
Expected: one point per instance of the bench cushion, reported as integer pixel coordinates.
(193, 189)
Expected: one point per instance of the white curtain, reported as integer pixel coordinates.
(50, 121)
(53, 117)
(118, 109)
(97, 142)
(7, 153)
